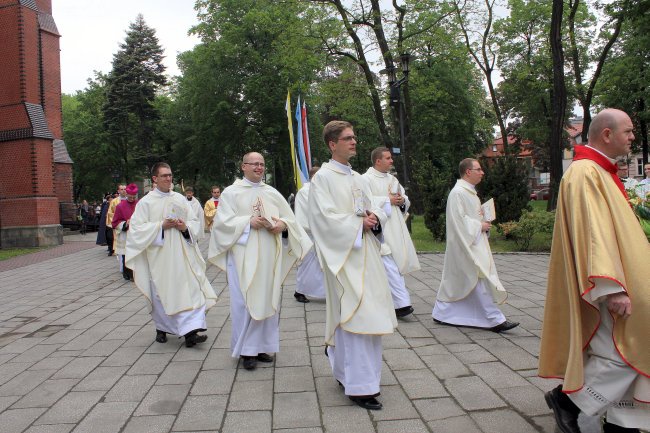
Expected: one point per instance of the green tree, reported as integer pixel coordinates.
(131, 86)
(624, 80)
(87, 140)
(232, 93)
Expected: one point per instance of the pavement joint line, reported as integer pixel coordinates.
(91, 315)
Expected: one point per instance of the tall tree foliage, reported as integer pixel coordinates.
(625, 76)
(131, 86)
(234, 86)
(87, 141)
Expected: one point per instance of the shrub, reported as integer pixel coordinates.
(522, 231)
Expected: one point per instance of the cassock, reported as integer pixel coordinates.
(398, 252)
(101, 230)
(598, 249)
(198, 210)
(256, 262)
(309, 275)
(123, 213)
(359, 305)
(470, 285)
(209, 211)
(168, 268)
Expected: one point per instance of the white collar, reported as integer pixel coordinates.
(251, 183)
(612, 160)
(343, 167)
(376, 172)
(467, 185)
(163, 194)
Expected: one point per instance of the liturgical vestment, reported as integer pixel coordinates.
(398, 252)
(256, 262)
(359, 305)
(309, 275)
(598, 248)
(469, 285)
(198, 210)
(168, 268)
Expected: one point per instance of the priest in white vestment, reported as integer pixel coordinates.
(470, 285)
(309, 275)
(359, 310)
(397, 250)
(247, 242)
(168, 268)
(196, 208)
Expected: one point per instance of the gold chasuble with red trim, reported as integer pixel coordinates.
(596, 235)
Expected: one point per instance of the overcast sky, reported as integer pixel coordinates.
(91, 31)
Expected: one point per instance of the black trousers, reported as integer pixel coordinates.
(109, 239)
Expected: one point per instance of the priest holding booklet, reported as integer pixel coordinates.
(470, 286)
(255, 240)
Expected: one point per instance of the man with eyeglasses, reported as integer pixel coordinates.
(255, 239)
(196, 207)
(168, 268)
(344, 223)
(470, 285)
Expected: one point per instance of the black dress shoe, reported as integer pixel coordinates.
(126, 276)
(300, 297)
(404, 311)
(192, 339)
(566, 416)
(613, 428)
(250, 362)
(370, 403)
(440, 322)
(161, 337)
(264, 357)
(505, 326)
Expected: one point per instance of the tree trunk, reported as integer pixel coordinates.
(558, 103)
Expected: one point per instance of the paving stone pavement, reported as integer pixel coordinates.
(77, 354)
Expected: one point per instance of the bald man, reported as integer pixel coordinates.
(255, 240)
(595, 333)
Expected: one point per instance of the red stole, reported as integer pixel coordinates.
(585, 152)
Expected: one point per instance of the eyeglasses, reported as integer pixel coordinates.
(255, 164)
(165, 175)
(348, 138)
(477, 169)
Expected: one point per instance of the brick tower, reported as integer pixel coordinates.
(35, 168)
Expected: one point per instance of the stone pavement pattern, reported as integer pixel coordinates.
(77, 354)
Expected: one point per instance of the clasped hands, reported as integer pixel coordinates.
(259, 223)
(396, 199)
(177, 224)
(370, 221)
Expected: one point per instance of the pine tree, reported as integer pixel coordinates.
(129, 112)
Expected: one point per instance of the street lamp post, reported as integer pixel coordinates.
(397, 102)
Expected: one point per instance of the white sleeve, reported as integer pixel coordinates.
(602, 288)
(358, 241)
(160, 241)
(243, 239)
(387, 207)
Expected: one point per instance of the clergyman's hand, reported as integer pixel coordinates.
(396, 199)
(486, 226)
(619, 303)
(259, 223)
(180, 225)
(278, 228)
(168, 223)
(370, 221)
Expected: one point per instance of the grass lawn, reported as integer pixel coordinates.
(13, 252)
(424, 241)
